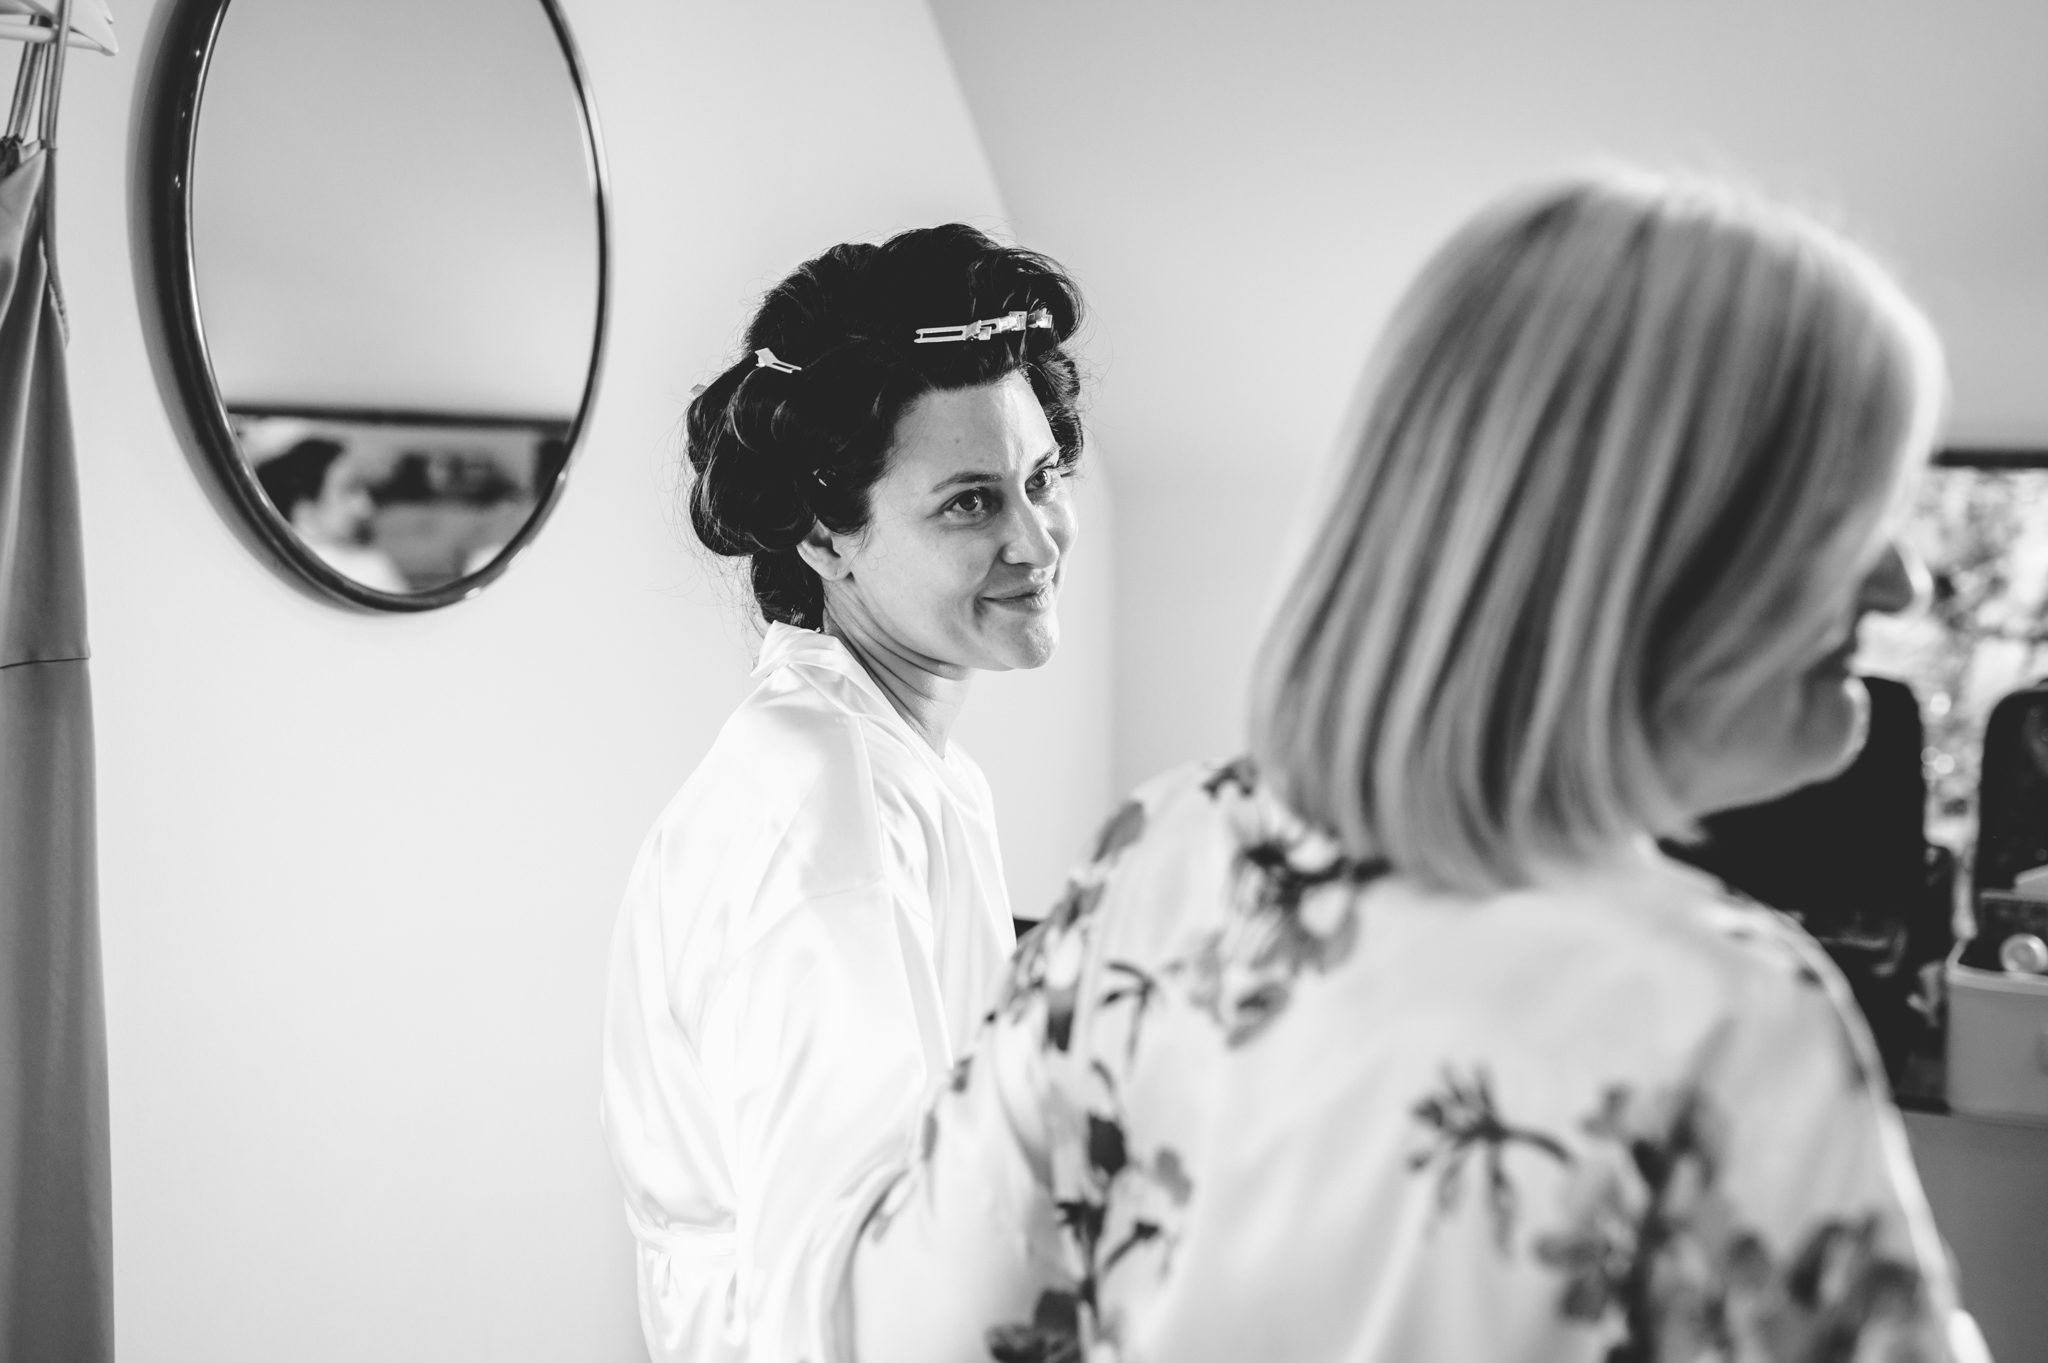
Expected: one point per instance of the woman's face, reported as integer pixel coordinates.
(969, 526)
(1807, 721)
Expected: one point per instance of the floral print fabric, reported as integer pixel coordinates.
(1246, 1098)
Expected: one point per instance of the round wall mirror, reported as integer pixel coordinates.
(377, 250)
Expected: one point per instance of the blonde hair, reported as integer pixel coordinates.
(1626, 445)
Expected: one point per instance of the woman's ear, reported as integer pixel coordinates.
(830, 555)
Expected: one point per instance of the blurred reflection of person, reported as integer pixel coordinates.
(325, 499)
(448, 513)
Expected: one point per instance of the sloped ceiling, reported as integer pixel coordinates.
(1242, 188)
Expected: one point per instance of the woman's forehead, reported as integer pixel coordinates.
(991, 428)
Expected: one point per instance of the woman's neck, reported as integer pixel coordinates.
(928, 698)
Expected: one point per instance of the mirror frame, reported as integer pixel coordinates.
(180, 51)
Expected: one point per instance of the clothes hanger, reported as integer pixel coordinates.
(32, 118)
(34, 21)
(32, 130)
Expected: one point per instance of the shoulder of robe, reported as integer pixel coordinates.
(1167, 857)
(782, 810)
(1776, 975)
(1747, 946)
(1697, 956)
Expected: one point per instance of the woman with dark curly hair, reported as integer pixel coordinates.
(819, 916)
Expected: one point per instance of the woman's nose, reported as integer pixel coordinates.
(1898, 582)
(1032, 539)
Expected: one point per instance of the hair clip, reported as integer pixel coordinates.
(983, 330)
(764, 358)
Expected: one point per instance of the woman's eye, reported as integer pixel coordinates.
(973, 503)
(1048, 477)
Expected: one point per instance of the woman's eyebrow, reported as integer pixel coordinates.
(982, 477)
(970, 478)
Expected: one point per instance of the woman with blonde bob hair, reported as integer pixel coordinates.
(1627, 456)
(1399, 1040)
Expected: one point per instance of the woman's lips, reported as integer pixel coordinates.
(1036, 599)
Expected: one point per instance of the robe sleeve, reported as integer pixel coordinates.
(925, 1256)
(1816, 1161)
(822, 1063)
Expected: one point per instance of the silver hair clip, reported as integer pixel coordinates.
(764, 358)
(983, 330)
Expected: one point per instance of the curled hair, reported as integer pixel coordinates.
(299, 474)
(1625, 450)
(774, 454)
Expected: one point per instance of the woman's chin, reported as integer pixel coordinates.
(1756, 765)
(1837, 720)
(1019, 646)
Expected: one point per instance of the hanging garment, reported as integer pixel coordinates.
(814, 924)
(1246, 1099)
(56, 1260)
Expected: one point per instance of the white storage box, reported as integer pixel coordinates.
(1997, 1044)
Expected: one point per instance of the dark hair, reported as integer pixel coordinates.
(298, 474)
(775, 453)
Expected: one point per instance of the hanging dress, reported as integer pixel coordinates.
(814, 925)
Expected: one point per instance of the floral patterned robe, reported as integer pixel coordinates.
(1244, 1099)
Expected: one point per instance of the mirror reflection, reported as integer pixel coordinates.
(402, 505)
(396, 248)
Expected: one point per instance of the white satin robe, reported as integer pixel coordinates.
(813, 927)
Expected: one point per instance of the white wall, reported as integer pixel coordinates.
(432, 246)
(359, 872)
(1196, 574)
(1246, 188)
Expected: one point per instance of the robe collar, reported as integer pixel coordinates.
(792, 646)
